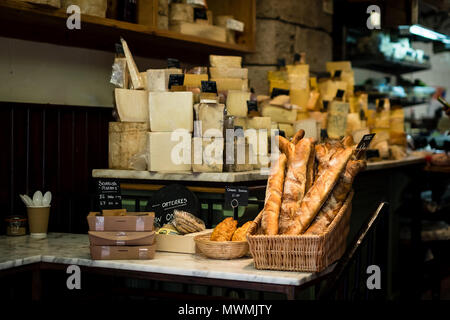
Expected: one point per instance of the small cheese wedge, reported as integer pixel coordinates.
(225, 61)
(225, 72)
(194, 80)
(134, 72)
(132, 105)
(237, 103)
(169, 111)
(240, 122)
(169, 151)
(278, 114)
(225, 84)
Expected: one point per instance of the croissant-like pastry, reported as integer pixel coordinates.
(224, 230)
(319, 192)
(241, 233)
(274, 192)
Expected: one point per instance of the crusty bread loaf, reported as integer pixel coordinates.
(335, 201)
(274, 192)
(298, 136)
(311, 167)
(295, 182)
(319, 192)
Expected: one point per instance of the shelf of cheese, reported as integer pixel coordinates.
(44, 24)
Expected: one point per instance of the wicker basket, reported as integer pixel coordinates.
(221, 249)
(309, 253)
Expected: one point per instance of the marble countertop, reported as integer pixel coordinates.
(255, 175)
(66, 248)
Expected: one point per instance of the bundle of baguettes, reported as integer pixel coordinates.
(308, 185)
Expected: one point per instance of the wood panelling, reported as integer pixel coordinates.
(47, 147)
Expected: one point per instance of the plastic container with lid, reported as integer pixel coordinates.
(16, 226)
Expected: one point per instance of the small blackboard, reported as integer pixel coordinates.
(340, 94)
(173, 63)
(337, 73)
(325, 105)
(109, 194)
(171, 197)
(278, 92)
(281, 62)
(176, 80)
(281, 133)
(297, 57)
(209, 87)
(252, 105)
(200, 13)
(323, 134)
(365, 141)
(236, 196)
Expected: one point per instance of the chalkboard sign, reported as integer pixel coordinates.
(278, 92)
(171, 197)
(236, 196)
(209, 87)
(109, 194)
(176, 80)
(365, 141)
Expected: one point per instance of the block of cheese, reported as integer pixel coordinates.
(201, 30)
(259, 123)
(169, 151)
(181, 12)
(211, 117)
(226, 72)
(225, 84)
(194, 80)
(225, 61)
(337, 119)
(132, 105)
(240, 122)
(299, 97)
(143, 76)
(169, 111)
(237, 103)
(279, 114)
(287, 128)
(126, 139)
(310, 126)
(156, 80)
(207, 154)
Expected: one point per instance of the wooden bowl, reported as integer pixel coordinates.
(221, 249)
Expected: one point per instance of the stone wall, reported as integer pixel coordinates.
(286, 27)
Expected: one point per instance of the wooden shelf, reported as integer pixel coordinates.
(36, 23)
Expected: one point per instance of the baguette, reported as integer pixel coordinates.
(311, 167)
(295, 182)
(298, 136)
(319, 192)
(334, 203)
(274, 192)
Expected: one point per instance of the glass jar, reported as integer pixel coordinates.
(16, 226)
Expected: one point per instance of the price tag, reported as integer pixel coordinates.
(200, 14)
(176, 80)
(365, 142)
(236, 197)
(209, 87)
(109, 194)
(278, 92)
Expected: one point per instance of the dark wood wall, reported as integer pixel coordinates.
(49, 147)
